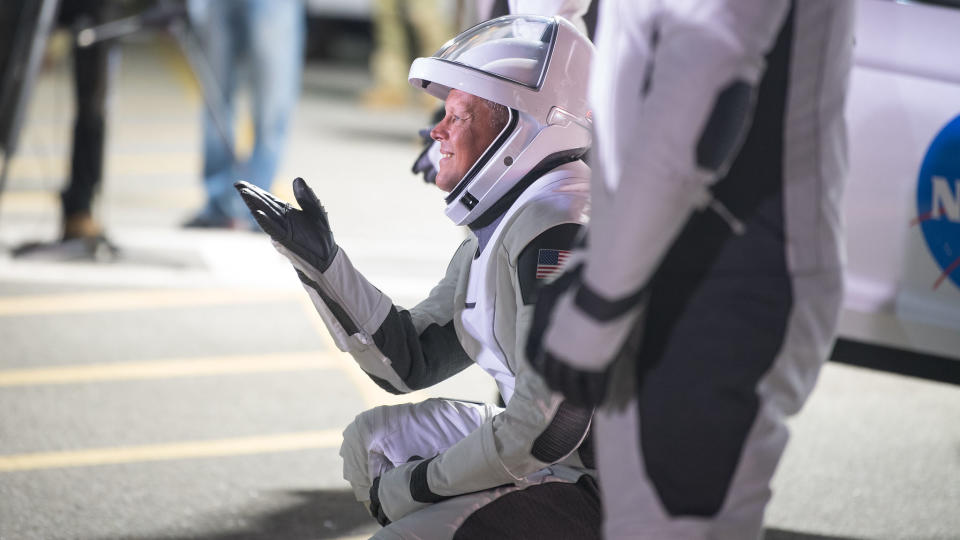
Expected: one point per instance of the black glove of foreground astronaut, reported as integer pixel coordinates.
(585, 387)
(305, 232)
(577, 336)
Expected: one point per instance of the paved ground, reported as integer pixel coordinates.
(185, 390)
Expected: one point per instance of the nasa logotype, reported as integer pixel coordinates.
(938, 201)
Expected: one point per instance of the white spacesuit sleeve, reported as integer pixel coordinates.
(572, 10)
(673, 89)
(400, 350)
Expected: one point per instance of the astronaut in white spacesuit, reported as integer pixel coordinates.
(482, 10)
(516, 126)
(710, 277)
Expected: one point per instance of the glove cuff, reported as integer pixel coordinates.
(420, 488)
(393, 491)
(589, 339)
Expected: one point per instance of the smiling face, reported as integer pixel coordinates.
(465, 132)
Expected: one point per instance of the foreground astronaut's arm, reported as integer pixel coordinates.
(400, 350)
(673, 90)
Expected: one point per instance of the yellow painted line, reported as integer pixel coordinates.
(125, 164)
(245, 134)
(46, 201)
(185, 198)
(166, 163)
(181, 72)
(371, 394)
(165, 369)
(285, 442)
(36, 166)
(49, 201)
(99, 301)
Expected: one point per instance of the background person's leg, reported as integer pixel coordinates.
(217, 26)
(91, 80)
(431, 24)
(389, 62)
(432, 27)
(277, 35)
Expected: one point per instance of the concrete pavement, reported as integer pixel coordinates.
(186, 390)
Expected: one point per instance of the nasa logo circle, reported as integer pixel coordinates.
(938, 201)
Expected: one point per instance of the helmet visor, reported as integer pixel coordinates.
(512, 48)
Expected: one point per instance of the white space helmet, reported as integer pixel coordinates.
(538, 67)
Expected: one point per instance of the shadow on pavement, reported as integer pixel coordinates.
(321, 514)
(780, 534)
(333, 514)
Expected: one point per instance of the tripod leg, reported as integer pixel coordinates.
(209, 86)
(21, 72)
(4, 170)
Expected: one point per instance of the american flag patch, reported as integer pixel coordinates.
(550, 262)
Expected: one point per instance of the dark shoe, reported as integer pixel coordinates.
(203, 221)
(81, 226)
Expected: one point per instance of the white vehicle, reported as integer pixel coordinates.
(902, 200)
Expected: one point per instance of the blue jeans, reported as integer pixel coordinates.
(268, 35)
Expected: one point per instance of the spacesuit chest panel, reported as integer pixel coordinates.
(479, 315)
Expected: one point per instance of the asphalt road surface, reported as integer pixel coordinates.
(183, 388)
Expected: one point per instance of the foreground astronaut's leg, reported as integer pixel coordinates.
(381, 438)
(634, 508)
(741, 296)
(690, 463)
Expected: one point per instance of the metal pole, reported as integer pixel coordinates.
(209, 86)
(174, 18)
(23, 73)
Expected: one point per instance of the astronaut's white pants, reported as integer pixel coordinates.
(384, 437)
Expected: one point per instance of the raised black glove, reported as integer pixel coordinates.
(305, 232)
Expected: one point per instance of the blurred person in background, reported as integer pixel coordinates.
(91, 81)
(471, 12)
(572, 10)
(430, 21)
(262, 40)
(91, 78)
